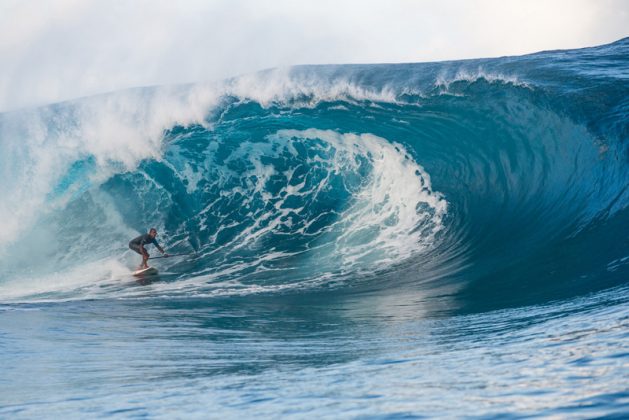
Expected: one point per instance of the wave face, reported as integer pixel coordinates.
(501, 181)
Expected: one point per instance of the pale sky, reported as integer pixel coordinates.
(56, 50)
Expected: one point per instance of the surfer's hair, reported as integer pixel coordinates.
(152, 230)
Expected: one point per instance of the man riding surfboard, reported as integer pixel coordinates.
(138, 243)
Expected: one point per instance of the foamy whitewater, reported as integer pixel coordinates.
(391, 240)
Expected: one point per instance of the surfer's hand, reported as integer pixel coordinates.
(166, 254)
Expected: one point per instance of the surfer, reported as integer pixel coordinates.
(138, 243)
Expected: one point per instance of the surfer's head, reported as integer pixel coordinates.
(153, 232)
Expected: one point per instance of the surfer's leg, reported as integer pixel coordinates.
(145, 258)
(140, 250)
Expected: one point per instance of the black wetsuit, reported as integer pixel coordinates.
(138, 243)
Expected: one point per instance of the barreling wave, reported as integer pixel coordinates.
(504, 180)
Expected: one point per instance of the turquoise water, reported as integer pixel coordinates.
(438, 239)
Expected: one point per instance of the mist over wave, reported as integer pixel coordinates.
(503, 181)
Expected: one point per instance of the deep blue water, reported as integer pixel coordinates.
(435, 239)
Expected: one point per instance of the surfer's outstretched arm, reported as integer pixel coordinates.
(159, 248)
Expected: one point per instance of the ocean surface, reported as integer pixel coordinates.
(442, 239)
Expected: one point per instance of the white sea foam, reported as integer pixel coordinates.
(444, 80)
(282, 85)
(393, 215)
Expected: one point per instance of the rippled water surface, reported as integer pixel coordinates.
(314, 355)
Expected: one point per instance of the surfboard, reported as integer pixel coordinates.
(151, 271)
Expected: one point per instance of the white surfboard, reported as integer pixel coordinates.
(151, 271)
